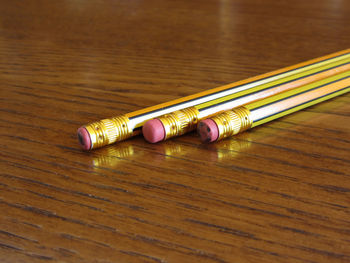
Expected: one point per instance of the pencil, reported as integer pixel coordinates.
(111, 130)
(183, 121)
(234, 121)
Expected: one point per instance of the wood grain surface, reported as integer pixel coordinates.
(278, 193)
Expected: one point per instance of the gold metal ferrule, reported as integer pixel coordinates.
(109, 131)
(232, 122)
(179, 122)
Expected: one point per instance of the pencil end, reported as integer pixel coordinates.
(208, 131)
(153, 131)
(104, 132)
(84, 138)
(225, 124)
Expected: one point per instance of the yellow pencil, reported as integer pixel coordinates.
(234, 121)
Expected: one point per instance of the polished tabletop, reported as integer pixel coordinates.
(277, 193)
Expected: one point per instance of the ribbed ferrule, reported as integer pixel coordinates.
(179, 122)
(232, 122)
(109, 131)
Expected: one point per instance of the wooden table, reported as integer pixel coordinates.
(278, 193)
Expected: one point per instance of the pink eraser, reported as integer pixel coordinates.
(84, 138)
(153, 131)
(208, 130)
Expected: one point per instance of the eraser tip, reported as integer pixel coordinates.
(208, 130)
(84, 138)
(153, 131)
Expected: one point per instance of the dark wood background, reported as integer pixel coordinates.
(278, 193)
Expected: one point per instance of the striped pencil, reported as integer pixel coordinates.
(234, 121)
